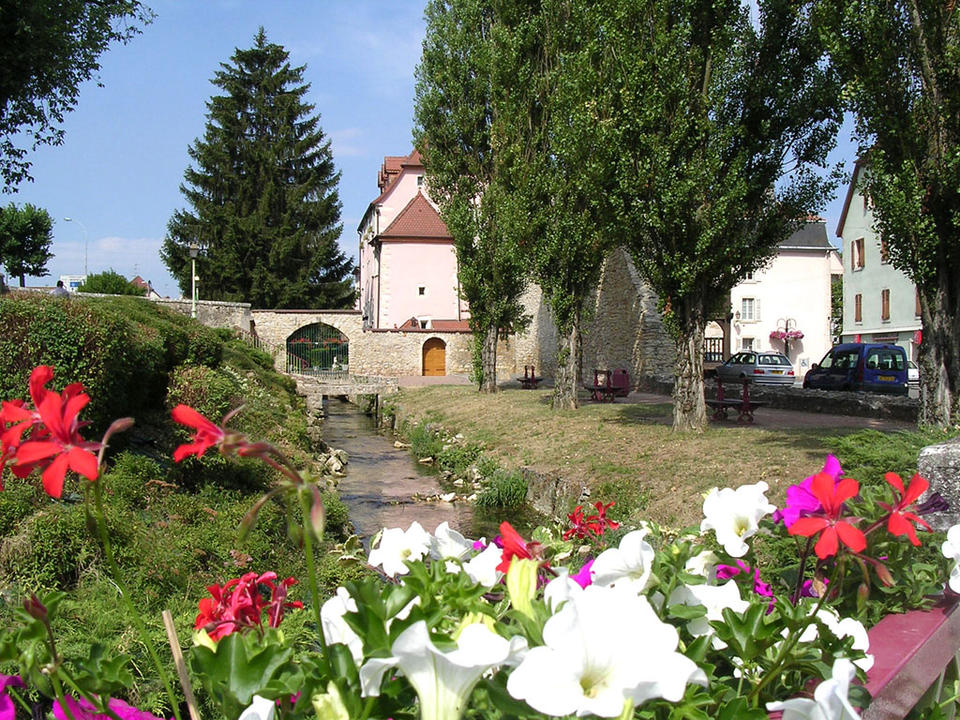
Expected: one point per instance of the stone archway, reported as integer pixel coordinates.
(318, 349)
(434, 357)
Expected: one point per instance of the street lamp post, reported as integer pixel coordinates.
(194, 250)
(85, 244)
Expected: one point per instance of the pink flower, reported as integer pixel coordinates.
(82, 709)
(239, 604)
(207, 434)
(801, 500)
(8, 711)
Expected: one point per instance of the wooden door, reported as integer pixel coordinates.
(434, 357)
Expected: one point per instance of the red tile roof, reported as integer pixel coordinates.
(392, 165)
(418, 220)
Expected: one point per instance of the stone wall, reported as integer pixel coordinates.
(940, 464)
(212, 313)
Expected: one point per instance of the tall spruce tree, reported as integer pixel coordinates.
(263, 193)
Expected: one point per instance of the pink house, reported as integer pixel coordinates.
(408, 265)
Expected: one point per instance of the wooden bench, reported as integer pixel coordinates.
(602, 389)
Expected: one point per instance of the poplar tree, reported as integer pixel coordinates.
(721, 128)
(457, 126)
(264, 205)
(901, 66)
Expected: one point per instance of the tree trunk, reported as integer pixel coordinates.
(23, 280)
(488, 360)
(939, 357)
(569, 362)
(689, 409)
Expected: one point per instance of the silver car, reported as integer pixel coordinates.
(913, 374)
(765, 368)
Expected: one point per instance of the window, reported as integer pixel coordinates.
(858, 308)
(856, 254)
(749, 277)
(885, 304)
(419, 180)
(746, 344)
(916, 301)
(750, 309)
(421, 290)
(884, 251)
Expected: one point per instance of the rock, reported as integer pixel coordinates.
(401, 445)
(940, 464)
(340, 455)
(426, 461)
(333, 464)
(448, 497)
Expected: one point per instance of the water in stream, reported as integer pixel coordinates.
(381, 479)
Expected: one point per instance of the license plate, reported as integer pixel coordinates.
(886, 378)
(777, 372)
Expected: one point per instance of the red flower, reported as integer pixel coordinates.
(900, 521)
(55, 443)
(208, 434)
(832, 528)
(583, 527)
(599, 522)
(239, 604)
(513, 546)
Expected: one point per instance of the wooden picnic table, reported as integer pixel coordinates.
(529, 380)
(743, 405)
(602, 393)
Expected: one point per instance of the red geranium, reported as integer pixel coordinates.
(596, 524)
(239, 604)
(900, 522)
(833, 529)
(55, 443)
(513, 546)
(207, 434)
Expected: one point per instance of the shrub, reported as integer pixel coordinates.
(110, 282)
(457, 458)
(423, 441)
(503, 489)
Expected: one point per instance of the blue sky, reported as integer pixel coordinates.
(119, 169)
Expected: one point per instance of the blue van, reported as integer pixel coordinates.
(872, 367)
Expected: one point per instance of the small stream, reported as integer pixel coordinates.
(381, 479)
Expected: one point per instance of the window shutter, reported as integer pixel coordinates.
(756, 309)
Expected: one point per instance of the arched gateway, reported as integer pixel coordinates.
(318, 348)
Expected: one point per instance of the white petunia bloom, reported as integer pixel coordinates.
(448, 543)
(715, 598)
(734, 515)
(560, 590)
(830, 699)
(951, 551)
(847, 627)
(605, 647)
(482, 568)
(396, 546)
(259, 709)
(628, 565)
(703, 564)
(335, 629)
(443, 681)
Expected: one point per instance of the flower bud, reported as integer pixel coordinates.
(36, 609)
(329, 705)
(522, 584)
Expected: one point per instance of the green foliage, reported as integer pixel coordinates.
(506, 489)
(110, 282)
(424, 442)
(25, 237)
(262, 191)
(457, 457)
(868, 454)
(48, 51)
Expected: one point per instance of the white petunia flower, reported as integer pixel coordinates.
(951, 551)
(605, 648)
(396, 546)
(448, 543)
(704, 564)
(335, 629)
(734, 515)
(259, 709)
(443, 681)
(847, 627)
(482, 568)
(560, 590)
(715, 598)
(628, 565)
(830, 699)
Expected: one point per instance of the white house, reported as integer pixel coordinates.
(880, 303)
(786, 306)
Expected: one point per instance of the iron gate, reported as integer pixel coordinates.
(318, 349)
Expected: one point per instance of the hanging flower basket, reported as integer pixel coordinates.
(778, 335)
(793, 335)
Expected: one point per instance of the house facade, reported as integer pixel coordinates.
(408, 264)
(880, 303)
(785, 307)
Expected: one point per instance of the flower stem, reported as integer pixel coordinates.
(125, 597)
(803, 566)
(312, 576)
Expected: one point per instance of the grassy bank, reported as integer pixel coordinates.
(628, 452)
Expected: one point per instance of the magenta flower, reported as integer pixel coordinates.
(583, 577)
(8, 710)
(800, 498)
(83, 710)
(725, 572)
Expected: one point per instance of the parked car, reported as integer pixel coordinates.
(913, 374)
(766, 368)
(872, 367)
